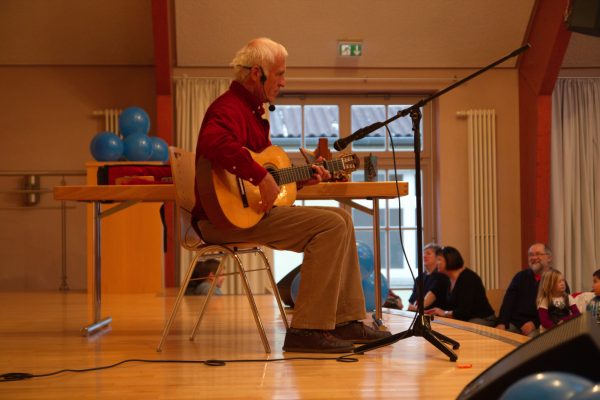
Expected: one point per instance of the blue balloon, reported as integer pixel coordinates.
(160, 149)
(137, 147)
(134, 120)
(365, 259)
(368, 285)
(106, 146)
(295, 287)
(591, 393)
(547, 386)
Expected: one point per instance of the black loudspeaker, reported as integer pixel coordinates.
(285, 287)
(585, 17)
(570, 347)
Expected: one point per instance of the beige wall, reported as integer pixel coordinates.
(47, 125)
(496, 90)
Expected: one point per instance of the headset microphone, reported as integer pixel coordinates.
(263, 78)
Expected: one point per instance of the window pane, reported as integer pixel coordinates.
(401, 129)
(365, 115)
(321, 121)
(359, 175)
(362, 219)
(408, 202)
(284, 262)
(286, 127)
(399, 273)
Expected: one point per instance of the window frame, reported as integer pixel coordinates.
(405, 159)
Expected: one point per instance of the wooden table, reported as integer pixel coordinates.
(127, 195)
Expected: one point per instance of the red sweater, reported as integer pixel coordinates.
(232, 122)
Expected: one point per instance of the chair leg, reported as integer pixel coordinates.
(242, 272)
(249, 295)
(275, 289)
(205, 303)
(259, 324)
(177, 304)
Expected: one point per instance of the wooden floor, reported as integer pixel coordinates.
(39, 333)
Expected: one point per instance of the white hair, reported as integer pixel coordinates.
(262, 52)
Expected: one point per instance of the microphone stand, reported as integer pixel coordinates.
(422, 323)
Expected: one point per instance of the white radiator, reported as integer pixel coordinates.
(111, 118)
(483, 207)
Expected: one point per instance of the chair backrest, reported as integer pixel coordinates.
(183, 171)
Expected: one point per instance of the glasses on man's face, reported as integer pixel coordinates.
(538, 254)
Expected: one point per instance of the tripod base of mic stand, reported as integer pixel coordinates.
(421, 327)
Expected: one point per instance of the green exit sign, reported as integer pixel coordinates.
(350, 49)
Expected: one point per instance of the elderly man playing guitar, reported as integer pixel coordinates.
(330, 303)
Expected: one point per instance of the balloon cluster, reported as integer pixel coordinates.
(367, 272)
(134, 125)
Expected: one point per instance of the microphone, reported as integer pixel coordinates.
(263, 78)
(341, 143)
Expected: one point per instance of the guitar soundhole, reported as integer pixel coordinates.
(272, 171)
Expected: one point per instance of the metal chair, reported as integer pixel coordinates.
(183, 172)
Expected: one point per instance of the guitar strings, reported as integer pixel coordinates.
(295, 173)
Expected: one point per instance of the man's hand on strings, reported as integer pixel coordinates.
(320, 174)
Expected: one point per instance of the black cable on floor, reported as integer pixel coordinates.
(20, 376)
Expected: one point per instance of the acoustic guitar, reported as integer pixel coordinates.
(231, 202)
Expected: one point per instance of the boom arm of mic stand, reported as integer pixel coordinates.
(421, 103)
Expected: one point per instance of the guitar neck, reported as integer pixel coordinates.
(304, 172)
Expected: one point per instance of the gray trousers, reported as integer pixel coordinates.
(330, 287)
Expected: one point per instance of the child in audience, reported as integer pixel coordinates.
(594, 304)
(555, 306)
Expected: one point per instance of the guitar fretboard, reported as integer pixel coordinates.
(304, 172)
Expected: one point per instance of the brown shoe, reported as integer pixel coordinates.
(314, 341)
(357, 332)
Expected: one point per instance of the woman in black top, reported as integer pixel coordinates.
(435, 284)
(466, 300)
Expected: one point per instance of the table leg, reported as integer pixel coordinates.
(377, 259)
(97, 271)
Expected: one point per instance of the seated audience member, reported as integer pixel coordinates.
(435, 284)
(594, 305)
(203, 276)
(467, 300)
(518, 312)
(555, 305)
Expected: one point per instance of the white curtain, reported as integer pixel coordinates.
(575, 180)
(193, 96)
